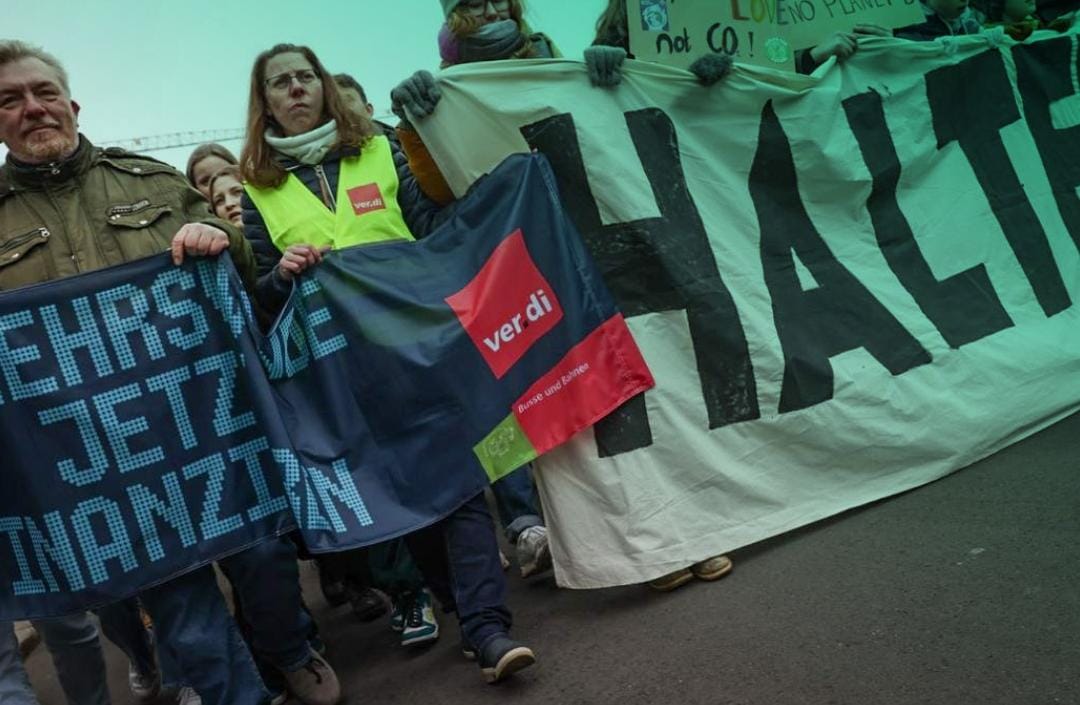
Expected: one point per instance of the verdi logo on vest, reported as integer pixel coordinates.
(366, 198)
(507, 306)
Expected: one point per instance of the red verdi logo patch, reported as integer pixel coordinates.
(366, 198)
(507, 306)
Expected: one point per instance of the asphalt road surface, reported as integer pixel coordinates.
(963, 592)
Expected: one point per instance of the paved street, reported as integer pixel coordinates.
(963, 592)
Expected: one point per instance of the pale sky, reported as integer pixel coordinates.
(149, 67)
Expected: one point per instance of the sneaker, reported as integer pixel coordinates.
(144, 686)
(712, 568)
(533, 553)
(367, 604)
(420, 625)
(501, 656)
(315, 683)
(187, 696)
(397, 616)
(279, 699)
(671, 581)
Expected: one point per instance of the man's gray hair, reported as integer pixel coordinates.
(12, 50)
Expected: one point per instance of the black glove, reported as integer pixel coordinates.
(604, 65)
(417, 94)
(711, 68)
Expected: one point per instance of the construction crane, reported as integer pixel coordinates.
(173, 140)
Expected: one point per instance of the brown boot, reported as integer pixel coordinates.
(315, 683)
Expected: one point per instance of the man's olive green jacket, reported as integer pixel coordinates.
(95, 209)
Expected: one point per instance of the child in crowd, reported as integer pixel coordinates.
(205, 161)
(225, 190)
(1018, 19)
(944, 18)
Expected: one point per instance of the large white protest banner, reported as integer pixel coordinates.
(847, 285)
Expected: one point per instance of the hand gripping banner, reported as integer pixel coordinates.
(149, 428)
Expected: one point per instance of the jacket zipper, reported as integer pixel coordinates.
(324, 185)
(67, 237)
(42, 233)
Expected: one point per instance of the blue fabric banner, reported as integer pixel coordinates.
(149, 427)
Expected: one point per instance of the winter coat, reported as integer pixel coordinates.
(421, 214)
(96, 209)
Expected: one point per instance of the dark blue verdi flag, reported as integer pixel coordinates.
(149, 427)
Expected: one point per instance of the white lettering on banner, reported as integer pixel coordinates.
(537, 307)
(554, 389)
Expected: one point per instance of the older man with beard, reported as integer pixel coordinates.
(67, 207)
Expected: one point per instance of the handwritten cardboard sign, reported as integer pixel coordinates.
(762, 32)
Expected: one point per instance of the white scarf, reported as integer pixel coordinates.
(308, 147)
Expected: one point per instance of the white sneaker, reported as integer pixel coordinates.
(144, 686)
(533, 553)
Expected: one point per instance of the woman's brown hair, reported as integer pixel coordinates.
(611, 28)
(462, 23)
(257, 162)
(231, 170)
(209, 149)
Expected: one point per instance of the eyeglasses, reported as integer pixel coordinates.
(477, 7)
(283, 81)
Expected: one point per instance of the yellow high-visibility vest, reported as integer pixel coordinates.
(367, 207)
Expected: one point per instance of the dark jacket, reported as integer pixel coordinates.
(96, 209)
(934, 27)
(422, 215)
(1048, 10)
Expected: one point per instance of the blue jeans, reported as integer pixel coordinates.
(459, 558)
(14, 687)
(515, 498)
(76, 654)
(199, 643)
(266, 581)
(122, 625)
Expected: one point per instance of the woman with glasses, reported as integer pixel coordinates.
(319, 176)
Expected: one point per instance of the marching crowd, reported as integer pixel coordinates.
(280, 206)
